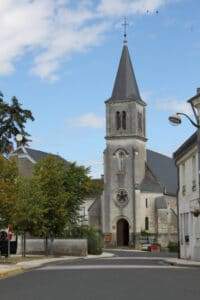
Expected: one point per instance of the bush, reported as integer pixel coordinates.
(173, 247)
(93, 236)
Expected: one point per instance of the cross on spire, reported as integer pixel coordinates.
(125, 25)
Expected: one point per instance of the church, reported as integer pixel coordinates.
(140, 185)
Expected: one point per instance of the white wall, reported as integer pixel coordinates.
(188, 200)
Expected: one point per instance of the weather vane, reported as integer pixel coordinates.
(125, 25)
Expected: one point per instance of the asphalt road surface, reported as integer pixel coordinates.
(128, 275)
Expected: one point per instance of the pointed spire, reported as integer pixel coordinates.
(125, 86)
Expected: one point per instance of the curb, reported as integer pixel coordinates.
(103, 255)
(34, 264)
(39, 263)
(5, 273)
(182, 264)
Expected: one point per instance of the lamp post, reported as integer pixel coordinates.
(176, 120)
(19, 138)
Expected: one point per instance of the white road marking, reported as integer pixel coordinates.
(133, 258)
(106, 267)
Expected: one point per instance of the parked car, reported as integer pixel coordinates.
(150, 244)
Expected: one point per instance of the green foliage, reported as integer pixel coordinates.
(45, 204)
(63, 187)
(77, 186)
(96, 187)
(93, 236)
(28, 214)
(12, 122)
(8, 190)
(145, 233)
(49, 176)
(173, 246)
(95, 241)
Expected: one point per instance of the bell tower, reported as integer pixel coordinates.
(124, 156)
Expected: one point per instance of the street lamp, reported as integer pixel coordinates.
(176, 120)
(19, 139)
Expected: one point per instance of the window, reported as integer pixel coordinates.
(124, 120)
(118, 120)
(146, 203)
(146, 223)
(197, 227)
(181, 228)
(183, 179)
(139, 122)
(186, 227)
(121, 161)
(194, 173)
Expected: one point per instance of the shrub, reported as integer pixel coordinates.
(93, 236)
(173, 246)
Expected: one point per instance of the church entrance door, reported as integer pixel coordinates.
(122, 233)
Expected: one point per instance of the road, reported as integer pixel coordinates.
(128, 275)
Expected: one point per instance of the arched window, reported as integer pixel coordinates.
(140, 129)
(118, 120)
(124, 120)
(121, 160)
(146, 223)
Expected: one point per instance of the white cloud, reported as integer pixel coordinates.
(53, 30)
(129, 7)
(172, 105)
(89, 120)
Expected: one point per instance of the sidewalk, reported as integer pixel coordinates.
(182, 262)
(12, 269)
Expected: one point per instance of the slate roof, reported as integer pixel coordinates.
(186, 146)
(36, 155)
(165, 171)
(150, 183)
(125, 87)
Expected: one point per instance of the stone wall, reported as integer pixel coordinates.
(71, 247)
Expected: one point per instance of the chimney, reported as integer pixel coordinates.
(198, 91)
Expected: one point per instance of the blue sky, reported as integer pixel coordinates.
(60, 58)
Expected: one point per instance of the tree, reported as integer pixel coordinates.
(8, 190)
(12, 122)
(49, 175)
(78, 186)
(63, 187)
(27, 215)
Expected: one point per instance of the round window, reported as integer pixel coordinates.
(122, 197)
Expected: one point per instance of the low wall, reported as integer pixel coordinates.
(69, 247)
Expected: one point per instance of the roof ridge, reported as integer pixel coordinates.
(160, 154)
(36, 150)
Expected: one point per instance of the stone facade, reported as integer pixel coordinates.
(131, 189)
(188, 196)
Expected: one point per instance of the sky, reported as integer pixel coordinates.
(60, 58)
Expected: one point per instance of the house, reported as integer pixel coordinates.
(186, 158)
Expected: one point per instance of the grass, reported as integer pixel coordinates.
(16, 259)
